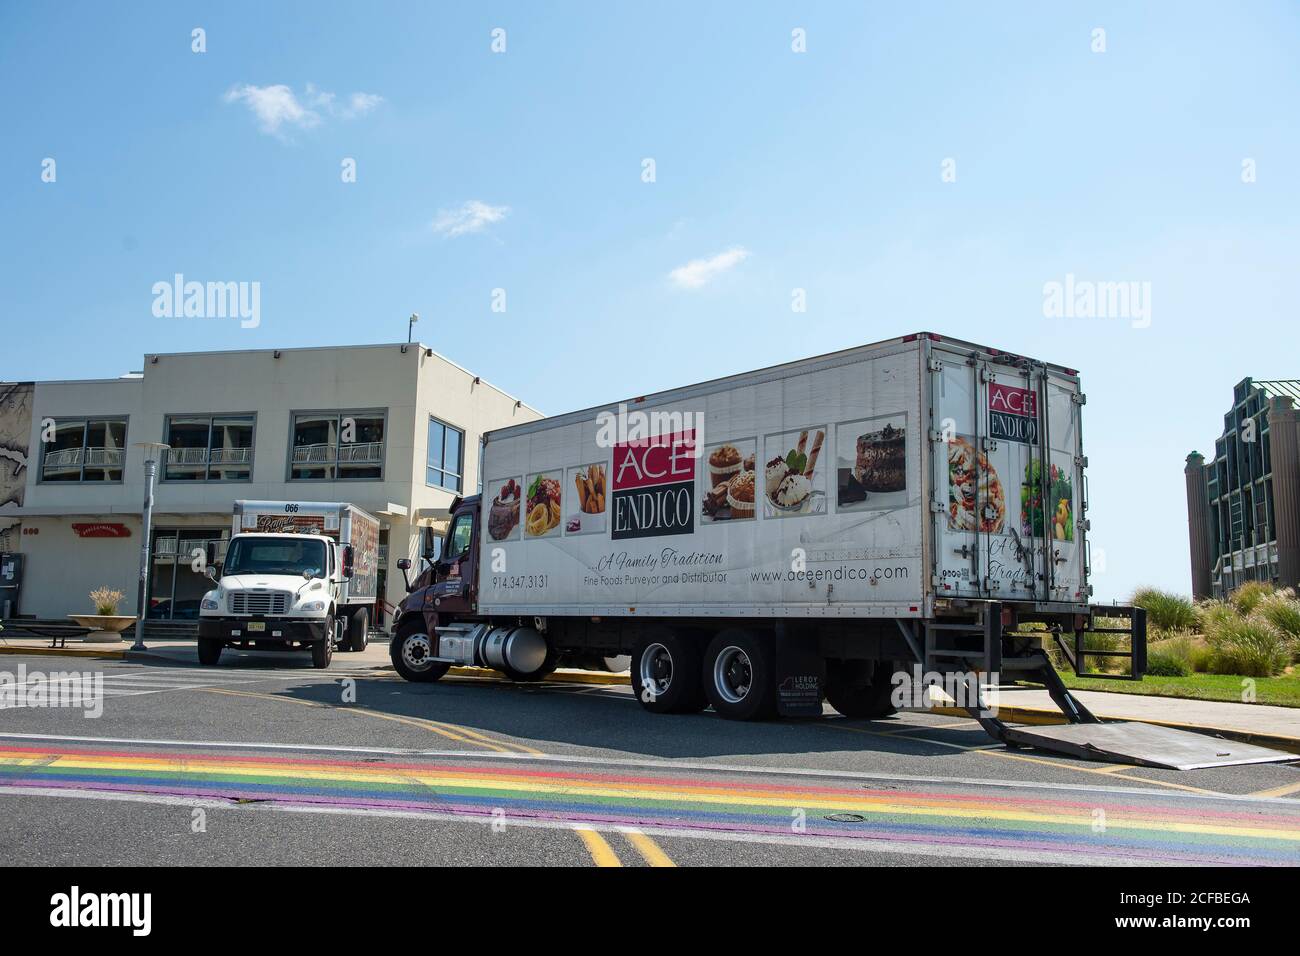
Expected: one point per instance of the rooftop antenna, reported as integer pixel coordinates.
(410, 325)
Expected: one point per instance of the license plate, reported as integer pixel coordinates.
(257, 625)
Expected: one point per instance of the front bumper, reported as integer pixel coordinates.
(263, 630)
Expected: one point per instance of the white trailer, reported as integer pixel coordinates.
(761, 542)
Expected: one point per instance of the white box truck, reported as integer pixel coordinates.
(763, 542)
(296, 575)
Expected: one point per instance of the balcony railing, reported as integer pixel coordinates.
(371, 452)
(204, 456)
(76, 457)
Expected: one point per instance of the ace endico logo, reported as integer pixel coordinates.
(1013, 413)
(653, 486)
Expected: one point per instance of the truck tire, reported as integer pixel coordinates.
(665, 673)
(359, 629)
(739, 675)
(322, 651)
(860, 689)
(410, 651)
(209, 651)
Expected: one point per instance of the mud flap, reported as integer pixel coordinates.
(800, 672)
(1144, 745)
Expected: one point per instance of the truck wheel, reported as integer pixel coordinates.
(859, 689)
(739, 675)
(665, 673)
(209, 651)
(359, 629)
(322, 652)
(412, 653)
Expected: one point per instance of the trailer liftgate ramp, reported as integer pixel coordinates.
(1015, 655)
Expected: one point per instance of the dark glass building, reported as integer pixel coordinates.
(1243, 507)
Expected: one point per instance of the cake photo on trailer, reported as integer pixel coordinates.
(871, 463)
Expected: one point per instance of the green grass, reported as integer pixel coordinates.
(1282, 691)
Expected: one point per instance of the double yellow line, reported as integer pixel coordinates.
(602, 854)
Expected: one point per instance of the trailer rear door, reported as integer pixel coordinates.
(1007, 475)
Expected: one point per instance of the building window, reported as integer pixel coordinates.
(445, 463)
(209, 448)
(85, 450)
(337, 446)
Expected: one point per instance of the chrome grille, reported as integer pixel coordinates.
(259, 602)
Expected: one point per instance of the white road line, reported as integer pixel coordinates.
(810, 772)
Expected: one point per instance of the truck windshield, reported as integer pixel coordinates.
(275, 556)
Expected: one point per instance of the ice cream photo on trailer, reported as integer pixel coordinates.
(586, 503)
(729, 485)
(792, 481)
(871, 464)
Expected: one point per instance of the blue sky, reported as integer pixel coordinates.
(818, 170)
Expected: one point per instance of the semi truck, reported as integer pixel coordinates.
(839, 528)
(296, 575)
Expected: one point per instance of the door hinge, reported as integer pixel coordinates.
(938, 507)
(989, 444)
(1081, 461)
(1079, 398)
(1085, 524)
(934, 365)
(986, 375)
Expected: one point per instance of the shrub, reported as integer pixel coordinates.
(1247, 597)
(1167, 662)
(1210, 611)
(1282, 610)
(1249, 646)
(105, 600)
(1166, 611)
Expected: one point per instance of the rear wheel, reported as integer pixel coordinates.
(665, 672)
(359, 629)
(209, 651)
(860, 688)
(412, 652)
(739, 675)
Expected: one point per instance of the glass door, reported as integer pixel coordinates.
(176, 580)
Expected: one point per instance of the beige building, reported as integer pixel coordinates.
(394, 429)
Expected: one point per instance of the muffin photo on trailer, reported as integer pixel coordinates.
(728, 475)
(542, 503)
(587, 498)
(871, 464)
(792, 478)
(506, 495)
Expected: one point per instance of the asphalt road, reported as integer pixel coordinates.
(267, 761)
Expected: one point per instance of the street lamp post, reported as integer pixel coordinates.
(153, 451)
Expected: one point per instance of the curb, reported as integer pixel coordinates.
(115, 653)
(1037, 717)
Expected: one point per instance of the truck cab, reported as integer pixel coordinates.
(278, 592)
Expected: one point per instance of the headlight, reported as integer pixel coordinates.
(312, 606)
(209, 604)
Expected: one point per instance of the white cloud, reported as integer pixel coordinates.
(699, 272)
(473, 216)
(277, 107)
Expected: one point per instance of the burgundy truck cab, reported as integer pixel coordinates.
(448, 588)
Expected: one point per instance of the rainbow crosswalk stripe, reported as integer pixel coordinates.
(1200, 832)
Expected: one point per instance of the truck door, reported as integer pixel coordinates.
(454, 572)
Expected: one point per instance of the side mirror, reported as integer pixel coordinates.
(347, 560)
(405, 565)
(211, 573)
